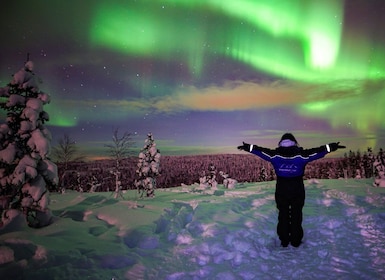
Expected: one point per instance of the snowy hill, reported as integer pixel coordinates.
(186, 234)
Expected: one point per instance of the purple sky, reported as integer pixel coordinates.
(203, 76)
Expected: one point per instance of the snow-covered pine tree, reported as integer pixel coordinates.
(26, 172)
(148, 167)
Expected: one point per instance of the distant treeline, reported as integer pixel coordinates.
(177, 170)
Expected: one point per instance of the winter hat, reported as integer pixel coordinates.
(288, 140)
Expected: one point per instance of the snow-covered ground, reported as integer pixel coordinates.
(181, 234)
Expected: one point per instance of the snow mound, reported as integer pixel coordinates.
(22, 251)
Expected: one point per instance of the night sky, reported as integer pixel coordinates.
(204, 75)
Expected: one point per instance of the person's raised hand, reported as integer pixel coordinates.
(244, 147)
(335, 146)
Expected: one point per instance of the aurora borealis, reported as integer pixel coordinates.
(204, 75)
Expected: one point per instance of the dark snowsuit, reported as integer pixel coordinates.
(289, 163)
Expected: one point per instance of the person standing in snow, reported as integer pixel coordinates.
(289, 161)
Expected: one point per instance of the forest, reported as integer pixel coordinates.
(178, 170)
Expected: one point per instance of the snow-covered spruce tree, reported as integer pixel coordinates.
(26, 172)
(148, 167)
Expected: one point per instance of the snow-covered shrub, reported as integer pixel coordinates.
(26, 172)
(380, 180)
(228, 182)
(208, 179)
(379, 170)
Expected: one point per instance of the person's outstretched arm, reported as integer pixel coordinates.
(262, 152)
(320, 152)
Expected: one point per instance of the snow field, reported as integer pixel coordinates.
(183, 234)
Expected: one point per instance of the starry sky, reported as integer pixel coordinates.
(204, 75)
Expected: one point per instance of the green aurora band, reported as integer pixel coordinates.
(302, 43)
(298, 40)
